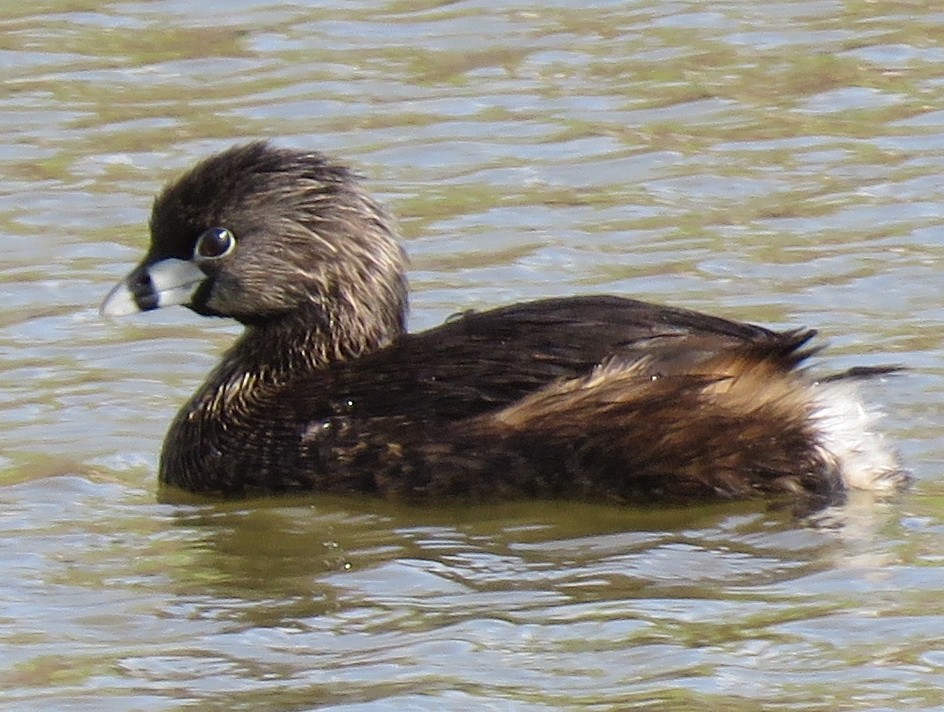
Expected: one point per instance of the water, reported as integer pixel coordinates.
(781, 163)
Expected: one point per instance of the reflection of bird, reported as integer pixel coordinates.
(593, 396)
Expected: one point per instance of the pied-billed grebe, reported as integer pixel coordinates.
(590, 397)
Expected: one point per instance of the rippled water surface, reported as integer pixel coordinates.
(781, 162)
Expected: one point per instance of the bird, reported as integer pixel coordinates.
(586, 397)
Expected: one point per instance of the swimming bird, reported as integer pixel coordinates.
(589, 397)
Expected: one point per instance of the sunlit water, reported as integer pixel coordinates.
(776, 162)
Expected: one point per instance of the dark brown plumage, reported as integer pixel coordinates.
(590, 397)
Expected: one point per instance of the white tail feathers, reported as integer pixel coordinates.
(846, 434)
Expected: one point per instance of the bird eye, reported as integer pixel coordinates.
(214, 243)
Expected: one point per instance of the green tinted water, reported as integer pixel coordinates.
(780, 163)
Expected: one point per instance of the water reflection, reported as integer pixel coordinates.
(267, 550)
(383, 598)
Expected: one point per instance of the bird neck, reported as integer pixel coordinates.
(258, 369)
(276, 352)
